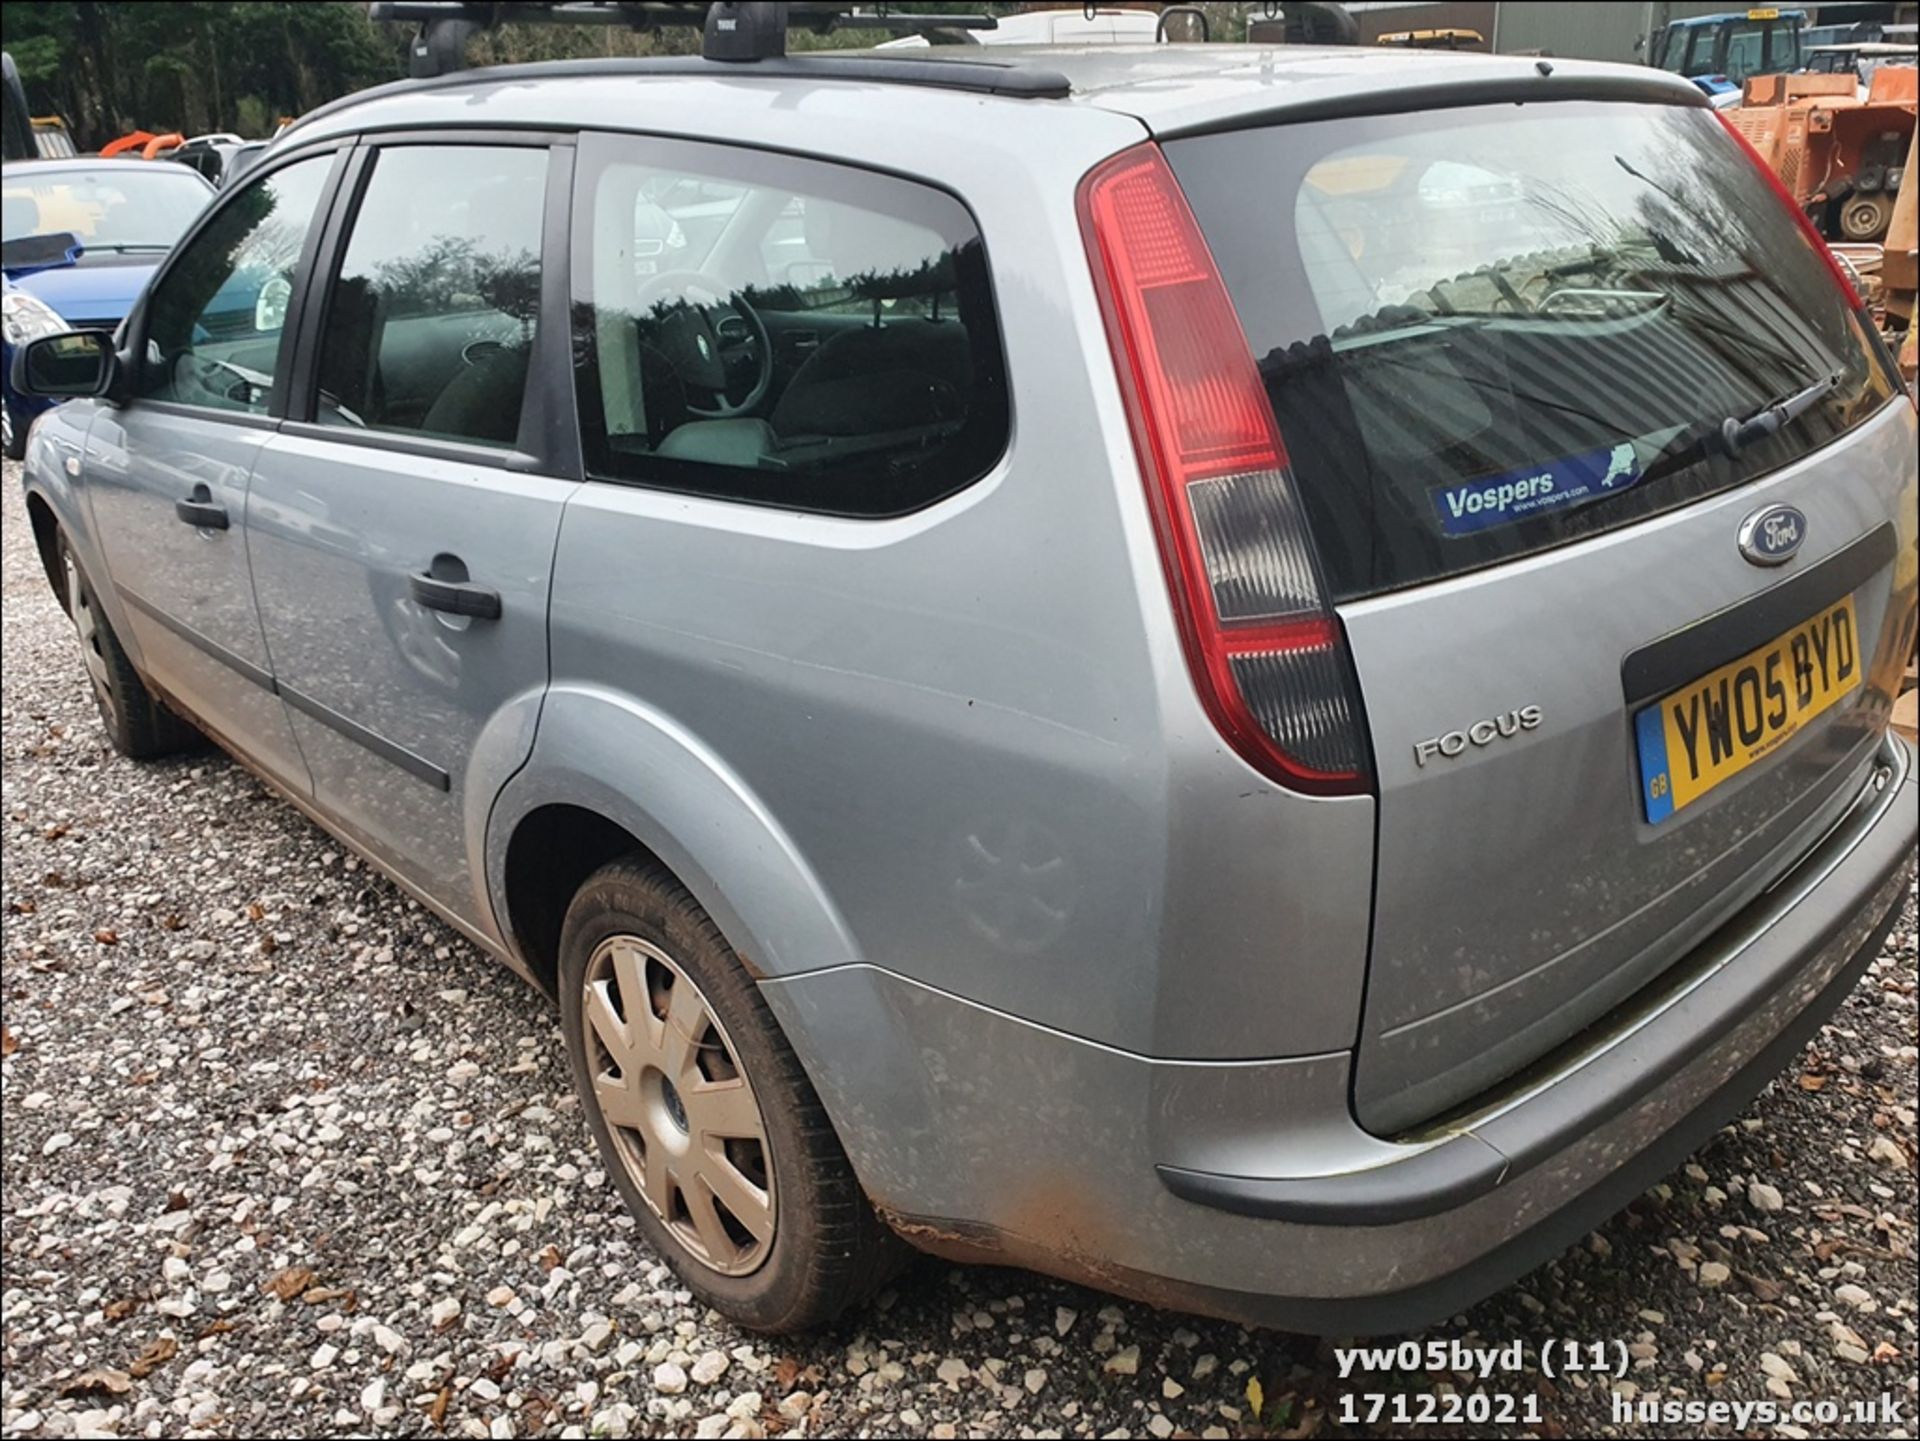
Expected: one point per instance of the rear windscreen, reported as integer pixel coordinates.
(1492, 330)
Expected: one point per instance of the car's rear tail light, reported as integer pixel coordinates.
(1785, 196)
(1267, 654)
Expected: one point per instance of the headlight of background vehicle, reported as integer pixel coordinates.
(27, 317)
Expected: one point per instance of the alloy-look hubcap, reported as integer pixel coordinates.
(681, 1111)
(86, 626)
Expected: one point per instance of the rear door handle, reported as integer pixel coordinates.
(200, 509)
(455, 597)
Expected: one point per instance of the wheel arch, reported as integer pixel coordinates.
(46, 540)
(610, 776)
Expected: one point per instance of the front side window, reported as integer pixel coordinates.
(787, 332)
(430, 322)
(214, 322)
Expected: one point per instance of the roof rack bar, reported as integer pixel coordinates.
(735, 31)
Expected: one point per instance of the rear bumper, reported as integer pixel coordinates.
(1247, 1190)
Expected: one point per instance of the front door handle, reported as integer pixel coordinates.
(455, 597)
(201, 510)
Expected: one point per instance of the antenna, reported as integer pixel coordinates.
(735, 31)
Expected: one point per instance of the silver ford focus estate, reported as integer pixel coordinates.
(1258, 676)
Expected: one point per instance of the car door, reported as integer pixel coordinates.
(403, 520)
(167, 472)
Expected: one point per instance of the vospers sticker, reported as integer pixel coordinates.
(1536, 490)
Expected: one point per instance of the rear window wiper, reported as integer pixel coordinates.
(1735, 433)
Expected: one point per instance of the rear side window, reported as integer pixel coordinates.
(430, 322)
(1486, 332)
(782, 331)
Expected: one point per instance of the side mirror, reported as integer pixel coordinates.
(62, 366)
(30, 253)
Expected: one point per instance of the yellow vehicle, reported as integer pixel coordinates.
(1449, 39)
(51, 139)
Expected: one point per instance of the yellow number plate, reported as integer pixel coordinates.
(1763, 14)
(1734, 716)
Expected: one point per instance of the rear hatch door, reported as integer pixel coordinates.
(1618, 663)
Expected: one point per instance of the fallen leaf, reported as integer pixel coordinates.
(214, 1328)
(1256, 1396)
(107, 937)
(98, 1382)
(172, 922)
(268, 945)
(287, 1284)
(22, 908)
(1811, 1082)
(159, 1351)
(53, 833)
(121, 1309)
(256, 911)
(549, 1257)
(786, 1373)
(438, 1414)
(8, 1042)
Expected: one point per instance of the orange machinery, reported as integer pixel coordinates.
(1841, 156)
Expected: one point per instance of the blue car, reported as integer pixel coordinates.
(126, 215)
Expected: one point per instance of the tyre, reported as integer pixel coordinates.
(136, 723)
(702, 1114)
(13, 433)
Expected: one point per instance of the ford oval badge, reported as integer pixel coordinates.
(1772, 534)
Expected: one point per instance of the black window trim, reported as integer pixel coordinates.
(132, 355)
(585, 373)
(548, 442)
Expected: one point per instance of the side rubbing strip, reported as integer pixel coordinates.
(412, 764)
(192, 637)
(1673, 660)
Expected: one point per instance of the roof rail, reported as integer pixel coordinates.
(1009, 79)
(736, 31)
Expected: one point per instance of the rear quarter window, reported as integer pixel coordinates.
(1492, 330)
(765, 328)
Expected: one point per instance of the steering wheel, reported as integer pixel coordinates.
(681, 305)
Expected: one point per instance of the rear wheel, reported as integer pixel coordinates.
(706, 1122)
(13, 433)
(137, 724)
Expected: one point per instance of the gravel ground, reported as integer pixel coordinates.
(283, 1155)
